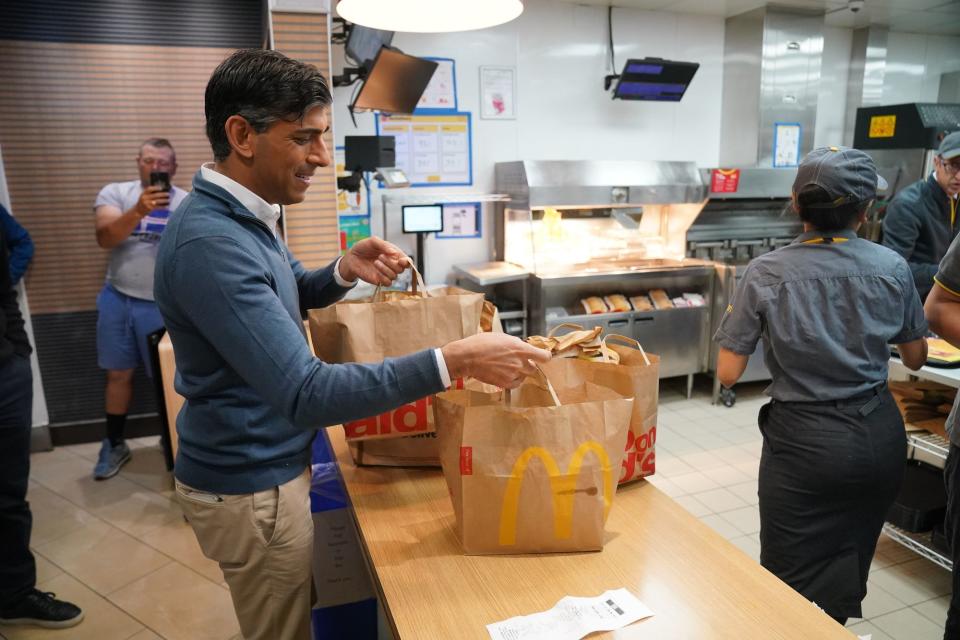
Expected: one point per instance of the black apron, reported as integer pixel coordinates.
(829, 472)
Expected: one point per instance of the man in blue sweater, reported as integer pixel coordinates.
(233, 299)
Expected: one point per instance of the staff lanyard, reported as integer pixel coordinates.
(826, 240)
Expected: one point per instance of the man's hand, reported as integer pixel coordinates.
(153, 197)
(373, 260)
(494, 358)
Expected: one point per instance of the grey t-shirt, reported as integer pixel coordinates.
(948, 277)
(827, 310)
(130, 270)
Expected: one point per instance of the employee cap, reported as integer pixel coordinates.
(847, 175)
(950, 146)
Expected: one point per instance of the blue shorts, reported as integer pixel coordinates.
(123, 324)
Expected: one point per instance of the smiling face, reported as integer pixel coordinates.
(287, 154)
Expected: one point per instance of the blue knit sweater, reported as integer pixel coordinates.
(233, 299)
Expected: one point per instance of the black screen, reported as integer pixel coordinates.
(395, 83)
(654, 79)
(363, 43)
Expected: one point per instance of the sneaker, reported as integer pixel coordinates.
(110, 460)
(43, 610)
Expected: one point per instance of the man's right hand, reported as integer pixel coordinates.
(153, 197)
(493, 358)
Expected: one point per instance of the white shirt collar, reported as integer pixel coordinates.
(267, 213)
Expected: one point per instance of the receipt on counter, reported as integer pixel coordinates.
(573, 618)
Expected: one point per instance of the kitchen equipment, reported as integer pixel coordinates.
(748, 214)
(596, 228)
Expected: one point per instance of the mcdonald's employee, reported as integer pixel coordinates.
(827, 306)
(943, 311)
(233, 298)
(921, 220)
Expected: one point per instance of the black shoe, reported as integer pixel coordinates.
(43, 610)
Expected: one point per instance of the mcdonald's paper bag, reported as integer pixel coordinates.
(532, 477)
(642, 383)
(393, 324)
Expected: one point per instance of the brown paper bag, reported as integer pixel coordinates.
(532, 477)
(392, 324)
(422, 450)
(642, 383)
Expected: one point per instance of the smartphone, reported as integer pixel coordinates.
(160, 179)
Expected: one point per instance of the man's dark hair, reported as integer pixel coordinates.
(810, 207)
(263, 87)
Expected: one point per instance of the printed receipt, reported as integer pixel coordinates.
(573, 618)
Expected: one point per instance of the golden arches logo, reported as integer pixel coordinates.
(562, 486)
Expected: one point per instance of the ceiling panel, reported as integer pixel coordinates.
(870, 15)
(632, 4)
(916, 16)
(906, 5)
(950, 7)
(926, 22)
(721, 8)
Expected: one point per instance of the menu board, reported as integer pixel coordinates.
(433, 150)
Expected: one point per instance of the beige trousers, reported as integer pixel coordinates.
(264, 544)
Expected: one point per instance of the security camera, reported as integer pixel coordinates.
(855, 5)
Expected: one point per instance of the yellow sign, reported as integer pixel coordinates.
(882, 126)
(562, 486)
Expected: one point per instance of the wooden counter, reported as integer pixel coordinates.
(699, 585)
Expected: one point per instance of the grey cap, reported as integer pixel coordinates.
(847, 175)
(950, 146)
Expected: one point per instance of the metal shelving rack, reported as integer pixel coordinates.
(920, 542)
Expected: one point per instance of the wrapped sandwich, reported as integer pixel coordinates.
(594, 304)
(617, 303)
(660, 299)
(641, 303)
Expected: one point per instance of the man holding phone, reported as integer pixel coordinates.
(130, 217)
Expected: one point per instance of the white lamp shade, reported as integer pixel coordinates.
(429, 16)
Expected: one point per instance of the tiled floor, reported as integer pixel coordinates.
(122, 551)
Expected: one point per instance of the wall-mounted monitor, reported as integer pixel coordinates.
(395, 83)
(654, 79)
(363, 44)
(422, 218)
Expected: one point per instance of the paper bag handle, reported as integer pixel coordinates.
(508, 396)
(416, 285)
(623, 339)
(565, 325)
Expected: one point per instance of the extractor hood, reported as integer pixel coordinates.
(534, 184)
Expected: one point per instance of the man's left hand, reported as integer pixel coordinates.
(373, 260)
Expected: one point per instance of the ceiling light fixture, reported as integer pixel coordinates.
(429, 16)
